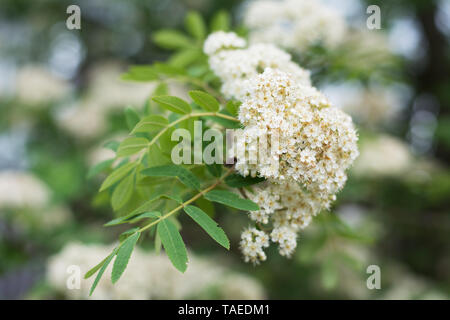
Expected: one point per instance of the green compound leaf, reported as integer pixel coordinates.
(209, 225)
(238, 181)
(232, 200)
(131, 146)
(117, 175)
(173, 104)
(123, 256)
(171, 170)
(205, 100)
(122, 193)
(150, 123)
(173, 244)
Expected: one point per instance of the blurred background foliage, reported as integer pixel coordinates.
(61, 100)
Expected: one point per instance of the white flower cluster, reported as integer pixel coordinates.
(288, 207)
(292, 136)
(235, 65)
(294, 24)
(316, 141)
(252, 243)
(149, 276)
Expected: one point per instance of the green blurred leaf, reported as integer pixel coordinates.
(195, 25)
(131, 117)
(171, 39)
(99, 167)
(221, 21)
(140, 73)
(112, 145)
(185, 57)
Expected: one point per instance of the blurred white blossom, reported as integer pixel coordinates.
(36, 85)
(22, 190)
(149, 276)
(294, 24)
(383, 156)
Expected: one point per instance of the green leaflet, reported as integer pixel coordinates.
(215, 169)
(128, 233)
(117, 175)
(195, 25)
(123, 256)
(112, 145)
(99, 167)
(150, 123)
(231, 199)
(93, 270)
(155, 156)
(140, 73)
(184, 175)
(205, 100)
(131, 146)
(173, 104)
(173, 244)
(184, 58)
(122, 193)
(131, 117)
(238, 181)
(232, 107)
(209, 225)
(132, 218)
(171, 39)
(104, 264)
(220, 21)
